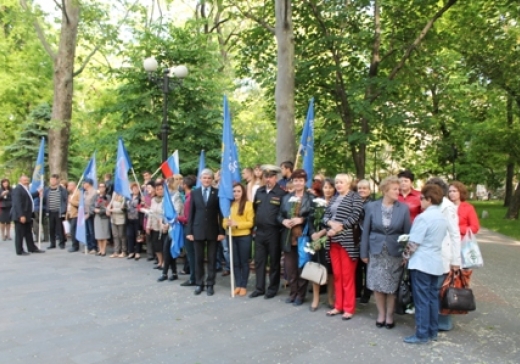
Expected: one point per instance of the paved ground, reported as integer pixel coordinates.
(64, 308)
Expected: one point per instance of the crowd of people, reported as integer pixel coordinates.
(361, 250)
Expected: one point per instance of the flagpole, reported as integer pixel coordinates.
(154, 173)
(297, 158)
(77, 186)
(136, 181)
(231, 268)
(40, 215)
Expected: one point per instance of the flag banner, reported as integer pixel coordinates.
(171, 165)
(229, 167)
(307, 144)
(91, 172)
(202, 165)
(123, 165)
(176, 229)
(81, 228)
(39, 170)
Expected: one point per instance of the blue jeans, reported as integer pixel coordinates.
(445, 323)
(241, 253)
(425, 290)
(91, 240)
(190, 254)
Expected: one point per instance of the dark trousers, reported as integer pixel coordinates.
(56, 228)
(361, 280)
(132, 230)
(23, 231)
(241, 254)
(267, 246)
(169, 261)
(425, 291)
(297, 285)
(91, 239)
(211, 247)
(73, 225)
(190, 256)
(149, 246)
(44, 227)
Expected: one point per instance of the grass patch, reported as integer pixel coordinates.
(496, 221)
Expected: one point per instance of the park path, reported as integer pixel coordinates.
(64, 308)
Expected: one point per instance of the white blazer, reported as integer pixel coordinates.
(451, 243)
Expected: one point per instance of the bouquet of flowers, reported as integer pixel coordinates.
(407, 247)
(313, 246)
(319, 210)
(295, 203)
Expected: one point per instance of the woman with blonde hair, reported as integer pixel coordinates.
(341, 217)
(385, 220)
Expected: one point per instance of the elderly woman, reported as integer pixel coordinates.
(384, 221)
(341, 217)
(101, 220)
(425, 264)
(293, 214)
(451, 254)
(5, 209)
(362, 292)
(117, 212)
(240, 224)
(468, 219)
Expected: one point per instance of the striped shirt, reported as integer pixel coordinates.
(54, 199)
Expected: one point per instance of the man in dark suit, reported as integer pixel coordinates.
(205, 229)
(22, 214)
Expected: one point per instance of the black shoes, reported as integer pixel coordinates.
(62, 246)
(256, 293)
(210, 291)
(390, 326)
(150, 259)
(198, 290)
(297, 302)
(188, 283)
(51, 247)
(72, 250)
(38, 251)
(380, 324)
(269, 295)
(173, 277)
(289, 300)
(23, 254)
(162, 278)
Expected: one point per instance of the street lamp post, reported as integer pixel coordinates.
(171, 79)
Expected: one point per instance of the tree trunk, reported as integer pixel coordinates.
(59, 131)
(284, 92)
(510, 173)
(514, 206)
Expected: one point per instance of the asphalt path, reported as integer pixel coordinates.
(62, 308)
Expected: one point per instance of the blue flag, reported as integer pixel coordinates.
(39, 170)
(202, 165)
(123, 164)
(176, 229)
(81, 229)
(91, 172)
(307, 144)
(229, 167)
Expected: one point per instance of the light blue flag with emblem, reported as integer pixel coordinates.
(39, 170)
(202, 165)
(91, 172)
(307, 144)
(176, 229)
(123, 165)
(81, 229)
(229, 167)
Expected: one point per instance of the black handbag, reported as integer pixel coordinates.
(456, 298)
(404, 293)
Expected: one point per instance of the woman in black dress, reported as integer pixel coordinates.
(5, 209)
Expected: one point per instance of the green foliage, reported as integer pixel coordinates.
(132, 108)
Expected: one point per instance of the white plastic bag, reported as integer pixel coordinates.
(470, 252)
